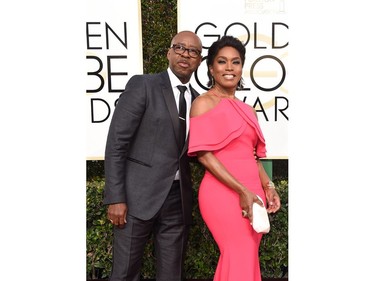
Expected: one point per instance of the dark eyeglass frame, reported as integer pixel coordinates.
(180, 49)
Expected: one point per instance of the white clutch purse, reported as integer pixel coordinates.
(261, 223)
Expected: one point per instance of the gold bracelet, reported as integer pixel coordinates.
(271, 185)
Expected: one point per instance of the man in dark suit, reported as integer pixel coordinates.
(148, 185)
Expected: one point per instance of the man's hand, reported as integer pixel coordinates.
(117, 214)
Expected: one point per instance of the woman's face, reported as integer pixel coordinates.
(227, 68)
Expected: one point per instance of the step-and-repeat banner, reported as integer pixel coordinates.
(113, 55)
(263, 27)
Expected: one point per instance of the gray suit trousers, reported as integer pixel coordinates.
(169, 237)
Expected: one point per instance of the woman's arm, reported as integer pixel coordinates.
(272, 196)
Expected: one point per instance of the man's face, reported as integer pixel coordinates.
(184, 58)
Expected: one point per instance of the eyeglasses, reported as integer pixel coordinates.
(179, 49)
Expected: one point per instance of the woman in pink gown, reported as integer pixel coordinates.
(224, 133)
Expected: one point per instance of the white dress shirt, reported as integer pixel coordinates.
(176, 82)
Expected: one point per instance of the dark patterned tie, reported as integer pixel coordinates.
(182, 115)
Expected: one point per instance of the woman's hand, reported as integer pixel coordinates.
(273, 200)
(247, 199)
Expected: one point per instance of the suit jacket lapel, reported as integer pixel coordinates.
(171, 103)
(194, 93)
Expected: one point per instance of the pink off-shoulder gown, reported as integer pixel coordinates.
(231, 132)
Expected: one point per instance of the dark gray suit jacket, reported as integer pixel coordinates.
(142, 155)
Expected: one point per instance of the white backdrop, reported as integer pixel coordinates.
(262, 25)
(328, 68)
(113, 55)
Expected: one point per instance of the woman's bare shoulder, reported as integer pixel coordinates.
(203, 103)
